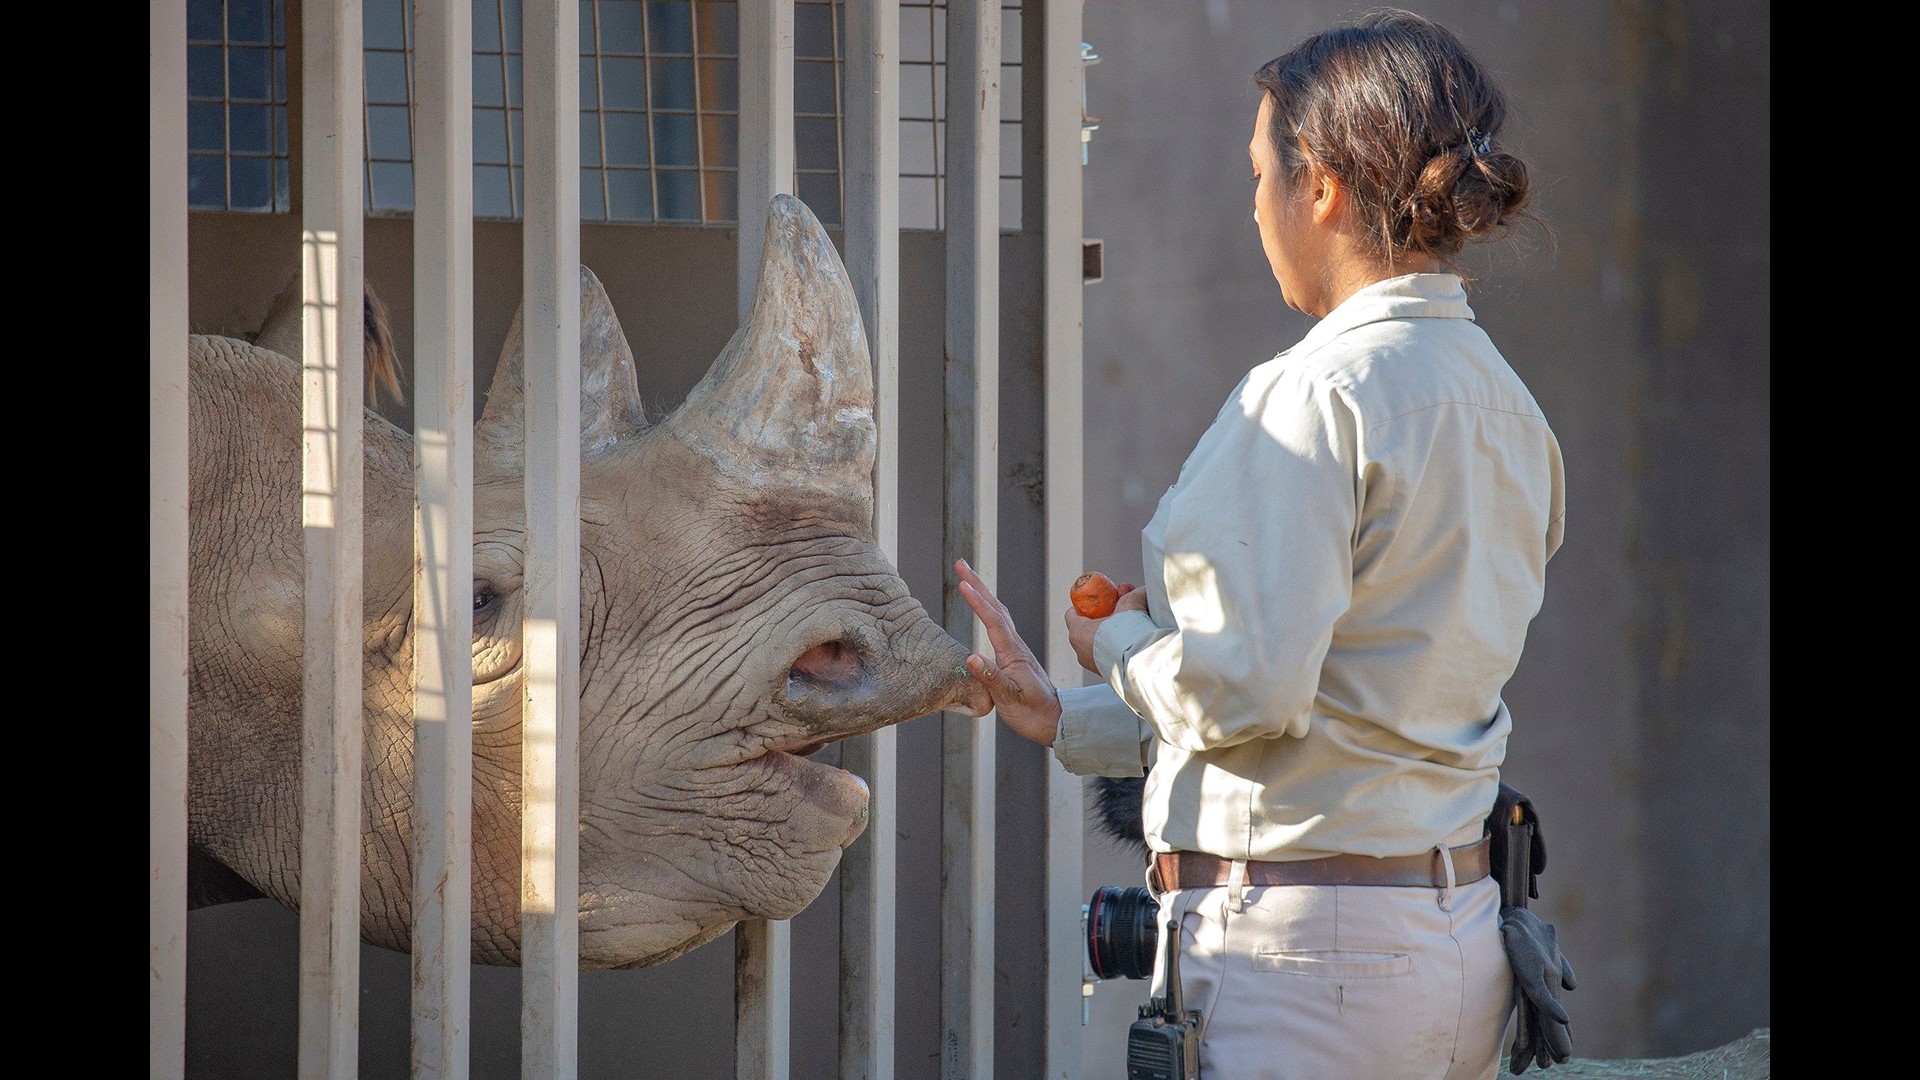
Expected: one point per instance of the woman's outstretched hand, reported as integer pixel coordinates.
(1016, 680)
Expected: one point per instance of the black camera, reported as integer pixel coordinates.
(1123, 932)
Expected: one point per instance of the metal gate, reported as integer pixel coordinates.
(332, 362)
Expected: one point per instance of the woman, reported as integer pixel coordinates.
(1337, 588)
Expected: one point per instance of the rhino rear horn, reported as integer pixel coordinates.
(610, 405)
(789, 402)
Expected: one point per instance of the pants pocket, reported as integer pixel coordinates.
(1334, 963)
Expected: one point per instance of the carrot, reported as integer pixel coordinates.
(1094, 594)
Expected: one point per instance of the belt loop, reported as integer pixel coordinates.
(1446, 859)
(1236, 885)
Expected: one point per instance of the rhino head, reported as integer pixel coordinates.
(735, 616)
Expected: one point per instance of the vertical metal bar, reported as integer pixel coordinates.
(762, 988)
(443, 536)
(600, 123)
(646, 90)
(699, 106)
(167, 539)
(515, 189)
(226, 108)
(550, 723)
(836, 12)
(762, 999)
(871, 172)
(332, 392)
(766, 128)
(1063, 76)
(972, 523)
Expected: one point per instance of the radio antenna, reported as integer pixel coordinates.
(1176, 1001)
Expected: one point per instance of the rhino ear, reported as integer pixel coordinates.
(790, 400)
(610, 406)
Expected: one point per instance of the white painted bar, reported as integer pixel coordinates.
(762, 950)
(765, 129)
(872, 179)
(972, 525)
(1063, 76)
(762, 999)
(333, 390)
(443, 536)
(167, 539)
(550, 725)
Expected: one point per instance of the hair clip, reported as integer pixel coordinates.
(1479, 141)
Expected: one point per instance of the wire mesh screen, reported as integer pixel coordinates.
(659, 109)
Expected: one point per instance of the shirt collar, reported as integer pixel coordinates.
(1409, 296)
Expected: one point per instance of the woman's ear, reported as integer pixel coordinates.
(1329, 195)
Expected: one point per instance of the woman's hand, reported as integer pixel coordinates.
(1016, 680)
(1080, 629)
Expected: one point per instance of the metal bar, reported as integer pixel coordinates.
(653, 148)
(600, 123)
(332, 396)
(1062, 76)
(443, 536)
(550, 722)
(762, 999)
(765, 126)
(871, 170)
(514, 189)
(167, 540)
(699, 119)
(972, 524)
(836, 18)
(762, 987)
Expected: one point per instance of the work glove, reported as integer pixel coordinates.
(1542, 1036)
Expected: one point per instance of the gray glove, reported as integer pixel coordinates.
(1542, 1036)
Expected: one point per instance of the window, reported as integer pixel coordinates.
(237, 106)
(659, 109)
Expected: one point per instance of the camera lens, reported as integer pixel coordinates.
(1123, 932)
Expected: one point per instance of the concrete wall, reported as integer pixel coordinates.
(673, 290)
(1642, 705)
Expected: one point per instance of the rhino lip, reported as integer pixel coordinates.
(842, 795)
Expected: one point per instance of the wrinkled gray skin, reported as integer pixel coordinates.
(734, 614)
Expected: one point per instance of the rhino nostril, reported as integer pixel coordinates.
(829, 662)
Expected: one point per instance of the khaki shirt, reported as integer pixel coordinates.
(1338, 585)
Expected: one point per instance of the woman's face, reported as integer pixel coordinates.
(1295, 248)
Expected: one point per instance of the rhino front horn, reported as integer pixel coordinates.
(790, 400)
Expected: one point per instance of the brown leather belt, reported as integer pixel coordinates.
(1198, 870)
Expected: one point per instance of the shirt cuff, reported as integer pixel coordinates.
(1122, 632)
(1100, 735)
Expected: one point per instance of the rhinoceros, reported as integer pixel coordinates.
(735, 616)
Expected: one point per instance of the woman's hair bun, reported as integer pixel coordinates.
(1462, 193)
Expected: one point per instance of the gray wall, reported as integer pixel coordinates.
(1641, 707)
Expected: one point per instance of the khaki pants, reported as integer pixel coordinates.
(1308, 982)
